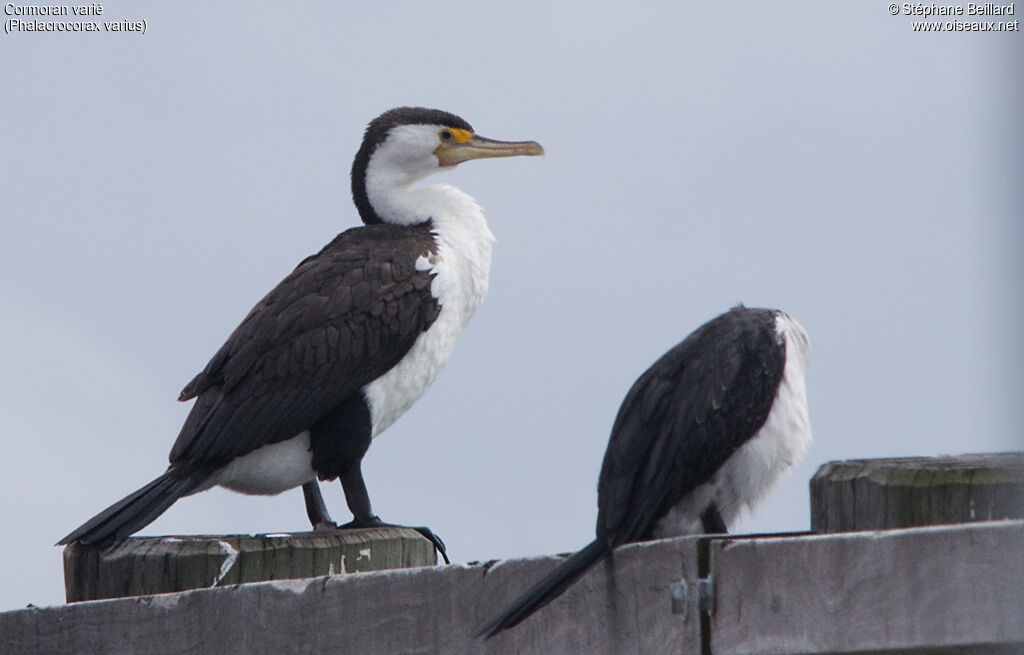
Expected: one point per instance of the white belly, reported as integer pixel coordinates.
(268, 470)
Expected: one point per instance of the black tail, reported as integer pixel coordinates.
(549, 588)
(136, 510)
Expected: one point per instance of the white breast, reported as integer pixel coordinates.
(782, 441)
(462, 269)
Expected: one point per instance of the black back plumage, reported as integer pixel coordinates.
(341, 319)
(684, 417)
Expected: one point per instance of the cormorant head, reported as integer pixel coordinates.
(404, 145)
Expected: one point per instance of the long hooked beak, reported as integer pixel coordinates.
(478, 147)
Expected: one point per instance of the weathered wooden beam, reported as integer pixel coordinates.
(154, 565)
(876, 494)
(622, 605)
(940, 590)
(946, 590)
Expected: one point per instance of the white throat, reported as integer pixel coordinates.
(405, 158)
(461, 265)
(463, 261)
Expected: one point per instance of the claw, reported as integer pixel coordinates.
(436, 540)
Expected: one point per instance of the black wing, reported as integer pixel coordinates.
(341, 319)
(684, 417)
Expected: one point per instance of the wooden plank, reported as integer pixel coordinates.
(622, 606)
(153, 565)
(877, 494)
(944, 589)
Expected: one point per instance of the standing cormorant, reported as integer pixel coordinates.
(345, 344)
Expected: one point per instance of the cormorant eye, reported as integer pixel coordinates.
(446, 135)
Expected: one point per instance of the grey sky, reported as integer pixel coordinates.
(816, 157)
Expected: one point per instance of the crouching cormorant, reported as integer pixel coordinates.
(701, 434)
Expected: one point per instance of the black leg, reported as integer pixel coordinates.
(316, 509)
(356, 496)
(712, 521)
(363, 517)
(338, 441)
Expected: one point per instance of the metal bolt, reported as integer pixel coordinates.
(702, 597)
(678, 594)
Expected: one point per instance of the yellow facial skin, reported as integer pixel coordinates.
(458, 145)
(460, 136)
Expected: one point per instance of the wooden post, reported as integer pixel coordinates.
(152, 565)
(877, 494)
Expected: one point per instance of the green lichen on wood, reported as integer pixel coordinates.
(917, 491)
